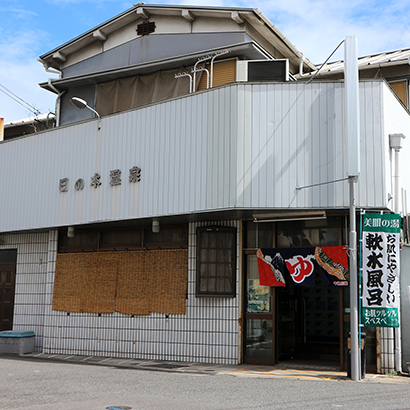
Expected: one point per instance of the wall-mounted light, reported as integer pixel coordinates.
(155, 226)
(81, 104)
(70, 232)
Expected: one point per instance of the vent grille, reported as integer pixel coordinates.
(146, 28)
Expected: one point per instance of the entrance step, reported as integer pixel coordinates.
(317, 351)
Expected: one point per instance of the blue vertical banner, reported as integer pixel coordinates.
(381, 269)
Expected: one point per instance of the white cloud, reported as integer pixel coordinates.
(23, 79)
(20, 72)
(316, 27)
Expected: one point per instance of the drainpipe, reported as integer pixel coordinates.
(302, 59)
(58, 100)
(396, 143)
(59, 93)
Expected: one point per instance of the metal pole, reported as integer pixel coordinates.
(354, 322)
(353, 171)
(397, 330)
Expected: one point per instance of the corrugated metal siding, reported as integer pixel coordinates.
(396, 121)
(374, 147)
(31, 276)
(244, 147)
(167, 141)
(298, 139)
(221, 148)
(240, 145)
(207, 333)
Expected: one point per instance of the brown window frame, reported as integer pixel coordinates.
(230, 263)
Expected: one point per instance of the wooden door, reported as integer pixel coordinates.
(7, 286)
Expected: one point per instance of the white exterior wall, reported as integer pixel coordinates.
(239, 146)
(207, 333)
(298, 139)
(397, 123)
(30, 299)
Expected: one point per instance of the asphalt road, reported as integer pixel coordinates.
(31, 384)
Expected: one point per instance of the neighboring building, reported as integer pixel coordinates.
(19, 128)
(135, 234)
(392, 66)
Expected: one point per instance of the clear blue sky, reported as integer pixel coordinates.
(31, 28)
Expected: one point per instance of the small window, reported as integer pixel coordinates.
(146, 28)
(216, 261)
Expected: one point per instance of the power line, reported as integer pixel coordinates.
(19, 100)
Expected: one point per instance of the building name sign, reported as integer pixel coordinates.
(115, 179)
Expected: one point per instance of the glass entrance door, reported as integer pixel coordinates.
(259, 316)
(292, 322)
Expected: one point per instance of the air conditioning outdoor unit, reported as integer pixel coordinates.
(262, 70)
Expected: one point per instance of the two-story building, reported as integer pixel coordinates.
(131, 229)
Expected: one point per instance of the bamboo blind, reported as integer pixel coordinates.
(224, 73)
(68, 282)
(133, 283)
(400, 88)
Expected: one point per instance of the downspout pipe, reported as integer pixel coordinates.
(58, 100)
(59, 93)
(396, 143)
(302, 59)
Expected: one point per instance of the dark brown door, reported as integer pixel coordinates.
(7, 285)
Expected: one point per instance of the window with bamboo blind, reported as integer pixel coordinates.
(132, 283)
(224, 72)
(400, 88)
(130, 271)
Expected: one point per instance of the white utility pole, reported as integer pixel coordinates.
(353, 171)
